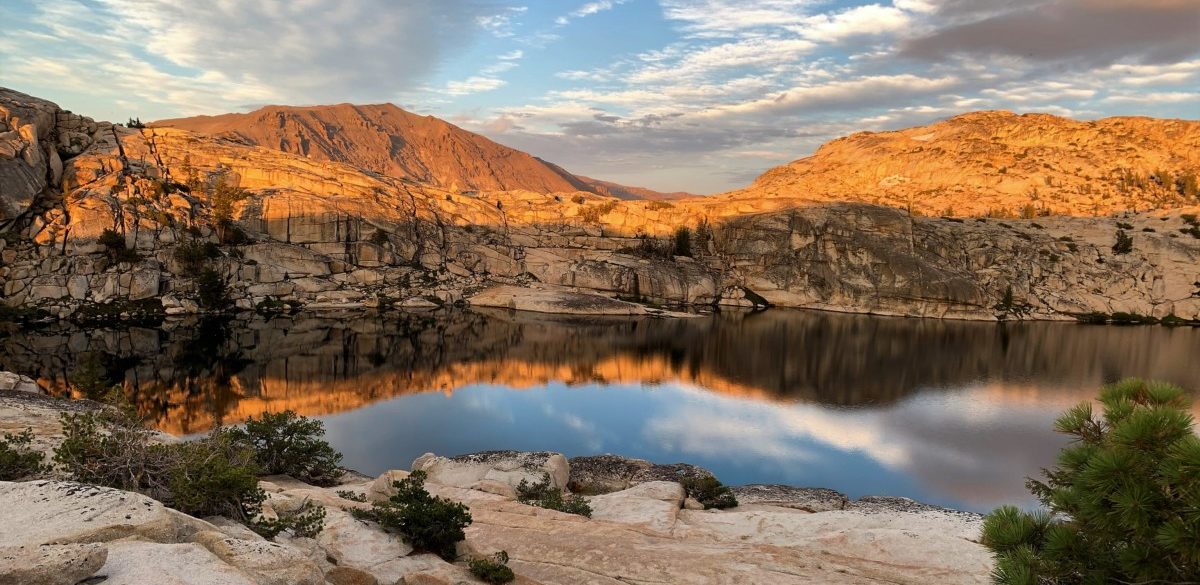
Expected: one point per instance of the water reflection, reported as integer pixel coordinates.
(949, 412)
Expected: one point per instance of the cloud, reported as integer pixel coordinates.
(587, 10)
(841, 95)
(867, 20)
(474, 84)
(206, 57)
(1094, 32)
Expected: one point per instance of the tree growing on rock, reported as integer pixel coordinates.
(429, 523)
(1121, 504)
(287, 443)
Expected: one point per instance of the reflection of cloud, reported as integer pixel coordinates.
(976, 445)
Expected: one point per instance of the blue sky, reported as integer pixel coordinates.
(697, 95)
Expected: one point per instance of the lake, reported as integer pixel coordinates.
(946, 412)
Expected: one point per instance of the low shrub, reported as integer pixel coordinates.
(17, 460)
(1124, 243)
(352, 496)
(306, 522)
(1120, 505)
(428, 523)
(493, 569)
(211, 290)
(542, 495)
(289, 444)
(213, 476)
(192, 255)
(380, 237)
(709, 491)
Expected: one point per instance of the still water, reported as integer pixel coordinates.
(951, 413)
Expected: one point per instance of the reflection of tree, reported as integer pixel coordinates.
(190, 376)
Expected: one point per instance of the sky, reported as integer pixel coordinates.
(692, 95)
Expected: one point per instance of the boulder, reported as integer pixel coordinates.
(654, 505)
(349, 576)
(145, 563)
(19, 383)
(362, 545)
(601, 474)
(60, 564)
(44, 511)
(808, 499)
(509, 467)
(268, 563)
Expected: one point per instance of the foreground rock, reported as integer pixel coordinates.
(495, 471)
(645, 533)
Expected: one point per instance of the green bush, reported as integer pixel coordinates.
(428, 523)
(216, 476)
(114, 245)
(289, 444)
(492, 569)
(192, 255)
(541, 494)
(709, 491)
(1124, 243)
(683, 242)
(212, 293)
(1121, 503)
(307, 522)
(380, 237)
(17, 460)
(210, 476)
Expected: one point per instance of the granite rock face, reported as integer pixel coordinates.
(326, 235)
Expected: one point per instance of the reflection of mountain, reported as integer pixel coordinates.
(191, 377)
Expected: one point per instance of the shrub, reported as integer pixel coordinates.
(216, 476)
(380, 237)
(1121, 502)
(193, 254)
(307, 522)
(493, 569)
(683, 242)
(17, 460)
(709, 491)
(287, 443)
(352, 496)
(428, 523)
(540, 494)
(210, 476)
(1124, 243)
(211, 290)
(114, 246)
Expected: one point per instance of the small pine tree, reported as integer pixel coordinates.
(683, 242)
(1121, 503)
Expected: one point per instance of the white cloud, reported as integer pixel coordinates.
(867, 20)
(474, 84)
(587, 10)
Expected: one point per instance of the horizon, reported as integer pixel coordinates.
(698, 95)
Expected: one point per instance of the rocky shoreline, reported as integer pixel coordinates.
(643, 528)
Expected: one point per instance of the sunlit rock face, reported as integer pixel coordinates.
(326, 234)
(999, 162)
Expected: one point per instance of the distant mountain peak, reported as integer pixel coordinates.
(387, 139)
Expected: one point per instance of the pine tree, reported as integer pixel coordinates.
(1123, 503)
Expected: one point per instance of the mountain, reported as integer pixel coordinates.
(389, 140)
(626, 192)
(293, 231)
(1002, 164)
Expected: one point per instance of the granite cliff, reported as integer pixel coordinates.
(326, 234)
